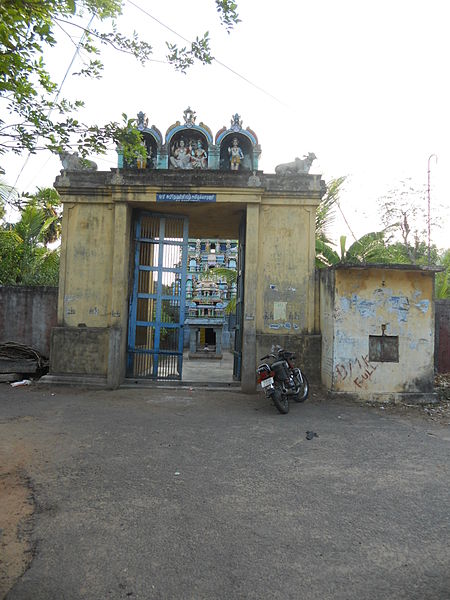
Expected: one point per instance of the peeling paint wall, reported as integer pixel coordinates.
(279, 294)
(327, 329)
(285, 271)
(88, 263)
(286, 287)
(378, 302)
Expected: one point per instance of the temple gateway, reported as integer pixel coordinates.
(138, 298)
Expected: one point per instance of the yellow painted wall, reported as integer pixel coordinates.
(327, 327)
(365, 300)
(96, 271)
(285, 270)
(86, 272)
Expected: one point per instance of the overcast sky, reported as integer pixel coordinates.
(362, 85)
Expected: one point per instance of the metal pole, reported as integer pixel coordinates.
(429, 208)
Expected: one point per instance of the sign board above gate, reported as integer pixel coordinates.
(185, 197)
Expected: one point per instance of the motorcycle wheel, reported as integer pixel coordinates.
(304, 390)
(281, 401)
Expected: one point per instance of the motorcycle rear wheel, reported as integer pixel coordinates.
(281, 401)
(304, 390)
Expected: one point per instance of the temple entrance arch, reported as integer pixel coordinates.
(159, 322)
(225, 197)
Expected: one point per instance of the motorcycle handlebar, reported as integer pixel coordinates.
(268, 356)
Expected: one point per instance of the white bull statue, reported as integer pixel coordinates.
(72, 162)
(298, 166)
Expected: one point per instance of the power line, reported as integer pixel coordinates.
(346, 222)
(215, 59)
(57, 95)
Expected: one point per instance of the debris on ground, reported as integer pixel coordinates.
(311, 435)
(17, 360)
(438, 412)
(21, 383)
(442, 386)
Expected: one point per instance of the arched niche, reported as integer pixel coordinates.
(188, 149)
(189, 146)
(243, 161)
(153, 149)
(240, 155)
(151, 139)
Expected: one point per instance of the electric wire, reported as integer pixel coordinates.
(223, 65)
(174, 32)
(77, 49)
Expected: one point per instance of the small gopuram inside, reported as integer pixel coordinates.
(122, 309)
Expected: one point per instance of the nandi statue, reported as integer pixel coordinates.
(72, 162)
(297, 167)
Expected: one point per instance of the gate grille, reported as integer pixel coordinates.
(157, 305)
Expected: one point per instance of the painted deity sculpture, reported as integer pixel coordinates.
(236, 155)
(199, 156)
(181, 156)
(141, 161)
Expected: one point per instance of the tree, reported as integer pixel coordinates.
(442, 290)
(402, 212)
(28, 93)
(370, 248)
(230, 276)
(49, 202)
(24, 257)
(325, 213)
(6, 192)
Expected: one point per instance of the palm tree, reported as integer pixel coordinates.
(24, 257)
(6, 193)
(48, 200)
(370, 248)
(230, 276)
(325, 213)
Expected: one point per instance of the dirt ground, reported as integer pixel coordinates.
(16, 510)
(16, 495)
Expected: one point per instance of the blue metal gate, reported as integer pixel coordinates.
(157, 304)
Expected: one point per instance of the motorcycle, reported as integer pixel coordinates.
(281, 380)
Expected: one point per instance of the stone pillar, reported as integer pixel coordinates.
(118, 317)
(248, 374)
(193, 339)
(218, 332)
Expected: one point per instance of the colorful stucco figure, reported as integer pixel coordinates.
(181, 157)
(199, 156)
(236, 155)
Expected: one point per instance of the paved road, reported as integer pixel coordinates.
(178, 494)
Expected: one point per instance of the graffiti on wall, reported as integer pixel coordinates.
(358, 370)
(384, 298)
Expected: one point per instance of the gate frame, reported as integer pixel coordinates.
(133, 323)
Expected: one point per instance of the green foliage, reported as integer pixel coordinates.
(403, 213)
(24, 257)
(230, 276)
(325, 213)
(8, 195)
(28, 92)
(129, 139)
(49, 202)
(442, 290)
(369, 248)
